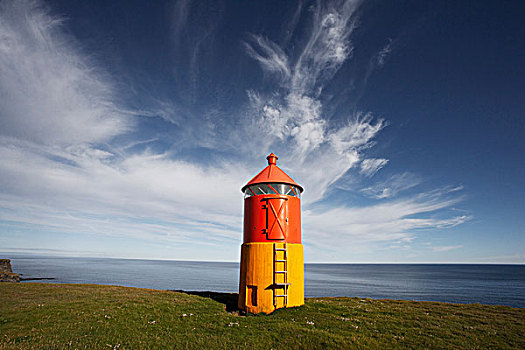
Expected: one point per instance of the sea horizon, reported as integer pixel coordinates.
(496, 284)
(5, 255)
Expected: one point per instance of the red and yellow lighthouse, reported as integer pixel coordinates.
(272, 262)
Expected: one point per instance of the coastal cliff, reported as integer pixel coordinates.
(6, 272)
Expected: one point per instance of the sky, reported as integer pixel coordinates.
(127, 128)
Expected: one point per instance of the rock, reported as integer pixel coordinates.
(6, 272)
(5, 265)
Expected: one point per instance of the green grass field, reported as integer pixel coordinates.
(58, 316)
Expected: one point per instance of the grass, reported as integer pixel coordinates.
(66, 316)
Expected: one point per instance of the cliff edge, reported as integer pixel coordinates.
(6, 272)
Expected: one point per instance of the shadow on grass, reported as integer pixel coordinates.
(228, 299)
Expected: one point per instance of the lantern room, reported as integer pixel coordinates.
(272, 267)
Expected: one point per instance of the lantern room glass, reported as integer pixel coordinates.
(272, 188)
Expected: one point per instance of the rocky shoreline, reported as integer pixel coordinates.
(6, 272)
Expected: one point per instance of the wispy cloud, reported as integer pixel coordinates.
(379, 59)
(389, 221)
(291, 25)
(192, 43)
(85, 189)
(372, 165)
(50, 91)
(383, 53)
(392, 186)
(290, 119)
(328, 46)
(446, 248)
(270, 56)
(321, 152)
(59, 170)
(181, 11)
(62, 172)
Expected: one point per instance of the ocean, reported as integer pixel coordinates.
(456, 283)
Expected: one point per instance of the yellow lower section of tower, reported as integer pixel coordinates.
(261, 281)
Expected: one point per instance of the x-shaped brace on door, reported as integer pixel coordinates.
(277, 217)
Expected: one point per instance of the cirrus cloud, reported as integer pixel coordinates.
(63, 171)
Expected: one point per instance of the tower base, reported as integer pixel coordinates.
(272, 276)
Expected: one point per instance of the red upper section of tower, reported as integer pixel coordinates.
(272, 174)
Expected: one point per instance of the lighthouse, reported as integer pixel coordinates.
(272, 259)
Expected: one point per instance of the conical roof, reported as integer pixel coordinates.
(272, 174)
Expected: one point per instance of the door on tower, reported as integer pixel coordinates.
(276, 217)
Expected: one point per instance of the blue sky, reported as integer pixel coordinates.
(128, 128)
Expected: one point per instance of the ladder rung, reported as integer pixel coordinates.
(282, 284)
(281, 295)
(280, 260)
(281, 271)
(280, 249)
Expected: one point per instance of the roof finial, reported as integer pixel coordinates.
(272, 159)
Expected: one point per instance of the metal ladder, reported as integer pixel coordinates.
(280, 267)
